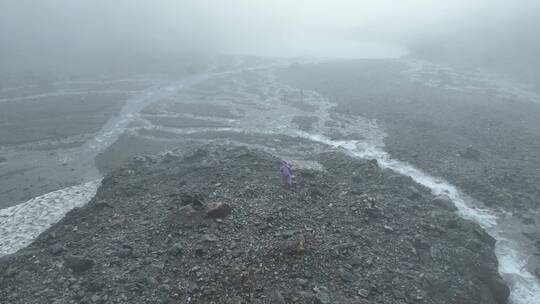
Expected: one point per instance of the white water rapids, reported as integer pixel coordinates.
(22, 223)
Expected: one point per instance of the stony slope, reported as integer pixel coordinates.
(350, 233)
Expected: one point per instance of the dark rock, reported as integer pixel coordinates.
(192, 287)
(388, 229)
(532, 235)
(194, 200)
(210, 238)
(56, 249)
(537, 272)
(151, 281)
(277, 298)
(414, 193)
(3, 159)
(102, 205)
(499, 289)
(176, 249)
(347, 276)
(301, 282)
(95, 286)
(355, 261)
(78, 264)
(528, 221)
(169, 157)
(294, 246)
(79, 294)
(164, 287)
(452, 224)
(484, 236)
(187, 216)
(444, 202)
(125, 251)
(218, 210)
(398, 294)
(95, 298)
(321, 297)
(10, 272)
(316, 191)
(288, 233)
(373, 211)
(199, 251)
(420, 243)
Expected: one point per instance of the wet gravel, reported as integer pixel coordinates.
(214, 225)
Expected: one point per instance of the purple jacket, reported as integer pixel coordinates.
(286, 173)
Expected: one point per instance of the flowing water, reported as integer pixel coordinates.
(22, 223)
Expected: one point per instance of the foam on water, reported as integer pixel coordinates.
(21, 224)
(525, 288)
(512, 266)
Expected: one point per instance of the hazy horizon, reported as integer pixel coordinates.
(52, 35)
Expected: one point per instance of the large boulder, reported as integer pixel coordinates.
(218, 210)
(277, 298)
(445, 202)
(78, 263)
(498, 288)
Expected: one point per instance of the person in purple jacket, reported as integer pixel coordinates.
(286, 173)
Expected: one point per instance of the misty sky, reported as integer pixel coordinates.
(47, 31)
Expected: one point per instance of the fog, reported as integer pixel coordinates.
(411, 127)
(116, 36)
